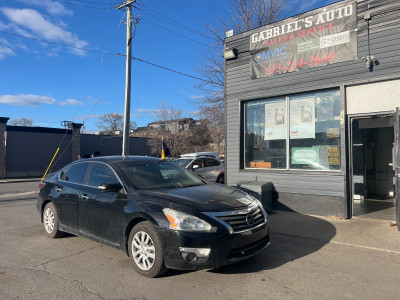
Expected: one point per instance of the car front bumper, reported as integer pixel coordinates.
(225, 248)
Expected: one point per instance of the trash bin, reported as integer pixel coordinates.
(263, 191)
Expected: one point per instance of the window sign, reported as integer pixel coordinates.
(275, 121)
(302, 118)
(301, 156)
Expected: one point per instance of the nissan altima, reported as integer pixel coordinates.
(161, 215)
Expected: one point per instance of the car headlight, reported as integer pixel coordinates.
(261, 207)
(182, 221)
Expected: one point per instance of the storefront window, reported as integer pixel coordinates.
(311, 127)
(265, 134)
(315, 131)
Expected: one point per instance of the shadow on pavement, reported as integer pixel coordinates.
(292, 236)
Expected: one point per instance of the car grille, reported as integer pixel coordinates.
(243, 222)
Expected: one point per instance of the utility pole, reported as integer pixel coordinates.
(127, 111)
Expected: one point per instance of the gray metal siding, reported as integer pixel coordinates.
(384, 37)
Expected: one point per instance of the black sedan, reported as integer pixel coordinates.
(160, 214)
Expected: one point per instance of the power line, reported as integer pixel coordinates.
(60, 44)
(176, 23)
(109, 53)
(184, 36)
(171, 70)
(80, 5)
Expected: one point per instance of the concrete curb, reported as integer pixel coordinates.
(13, 195)
(17, 180)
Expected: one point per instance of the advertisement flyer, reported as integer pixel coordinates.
(275, 121)
(302, 118)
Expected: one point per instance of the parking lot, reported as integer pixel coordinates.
(310, 257)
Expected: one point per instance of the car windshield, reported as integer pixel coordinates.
(182, 161)
(150, 175)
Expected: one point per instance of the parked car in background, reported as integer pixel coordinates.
(160, 214)
(208, 167)
(198, 154)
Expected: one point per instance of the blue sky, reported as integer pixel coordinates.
(49, 83)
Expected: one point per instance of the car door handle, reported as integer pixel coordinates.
(58, 189)
(84, 197)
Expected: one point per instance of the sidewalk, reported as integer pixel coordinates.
(375, 235)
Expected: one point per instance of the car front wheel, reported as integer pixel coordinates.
(146, 250)
(50, 221)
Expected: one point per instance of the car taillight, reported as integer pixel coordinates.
(41, 185)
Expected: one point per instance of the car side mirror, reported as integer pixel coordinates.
(194, 167)
(110, 187)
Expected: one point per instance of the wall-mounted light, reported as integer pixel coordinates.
(370, 61)
(230, 53)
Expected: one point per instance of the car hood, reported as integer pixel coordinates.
(206, 198)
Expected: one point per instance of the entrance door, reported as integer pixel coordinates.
(397, 164)
(372, 165)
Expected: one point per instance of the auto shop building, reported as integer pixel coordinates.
(311, 105)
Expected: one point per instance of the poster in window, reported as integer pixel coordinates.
(275, 121)
(302, 118)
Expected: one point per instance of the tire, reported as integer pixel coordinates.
(221, 179)
(147, 250)
(50, 221)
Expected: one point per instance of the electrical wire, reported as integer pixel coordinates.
(175, 23)
(184, 36)
(109, 53)
(80, 5)
(60, 44)
(171, 70)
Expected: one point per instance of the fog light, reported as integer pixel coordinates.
(192, 254)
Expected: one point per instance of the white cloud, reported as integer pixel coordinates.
(26, 100)
(146, 111)
(36, 23)
(5, 51)
(71, 102)
(85, 117)
(52, 7)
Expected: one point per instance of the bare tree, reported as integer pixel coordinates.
(113, 122)
(22, 122)
(244, 15)
(174, 137)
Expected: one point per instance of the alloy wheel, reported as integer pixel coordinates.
(143, 250)
(49, 220)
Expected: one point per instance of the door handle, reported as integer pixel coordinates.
(58, 189)
(84, 197)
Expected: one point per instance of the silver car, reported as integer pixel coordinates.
(209, 168)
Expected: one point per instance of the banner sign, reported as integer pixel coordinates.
(320, 37)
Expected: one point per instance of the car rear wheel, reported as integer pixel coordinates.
(50, 221)
(146, 250)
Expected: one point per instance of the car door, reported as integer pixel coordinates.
(211, 169)
(100, 212)
(66, 194)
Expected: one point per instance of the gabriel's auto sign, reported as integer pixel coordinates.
(322, 36)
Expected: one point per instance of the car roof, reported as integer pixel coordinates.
(120, 158)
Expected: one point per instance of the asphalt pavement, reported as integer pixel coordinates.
(310, 257)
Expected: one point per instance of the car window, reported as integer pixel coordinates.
(151, 175)
(198, 162)
(76, 173)
(100, 174)
(210, 162)
(182, 161)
